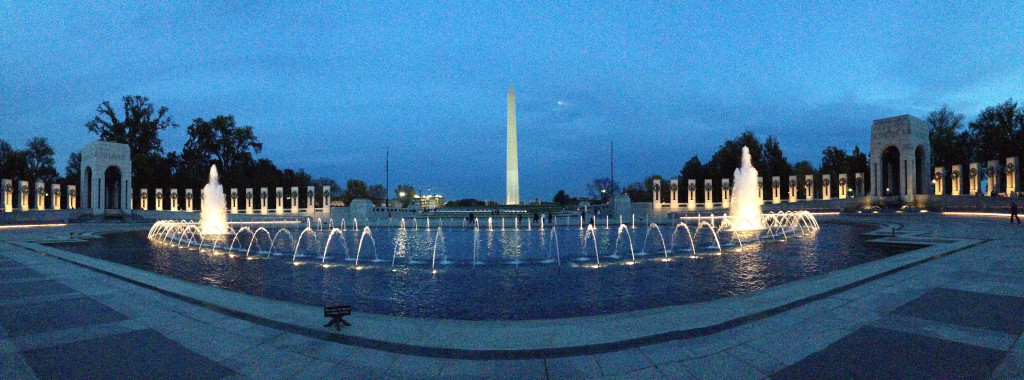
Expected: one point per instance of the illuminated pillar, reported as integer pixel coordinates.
(709, 188)
(726, 190)
(993, 177)
(8, 192)
(23, 191)
(279, 200)
(809, 187)
(1011, 170)
(40, 196)
(760, 190)
(792, 189)
(159, 199)
(776, 190)
(310, 199)
(234, 200)
(174, 200)
(673, 195)
(937, 182)
(55, 195)
(858, 184)
(954, 179)
(144, 199)
(511, 154)
(248, 201)
(188, 200)
(72, 197)
(295, 200)
(973, 179)
(264, 198)
(691, 194)
(826, 186)
(842, 186)
(656, 194)
(327, 199)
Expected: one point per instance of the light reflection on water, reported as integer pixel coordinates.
(496, 290)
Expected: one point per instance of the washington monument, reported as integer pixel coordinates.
(511, 154)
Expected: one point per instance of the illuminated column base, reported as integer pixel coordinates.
(295, 199)
(248, 201)
(656, 194)
(673, 194)
(792, 189)
(843, 183)
(691, 194)
(279, 200)
(726, 190)
(264, 201)
(55, 196)
(776, 190)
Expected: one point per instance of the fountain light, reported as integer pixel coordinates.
(984, 214)
(32, 225)
(630, 262)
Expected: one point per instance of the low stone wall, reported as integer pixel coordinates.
(41, 217)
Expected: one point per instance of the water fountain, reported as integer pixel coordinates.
(746, 201)
(213, 218)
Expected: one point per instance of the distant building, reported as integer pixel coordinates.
(430, 202)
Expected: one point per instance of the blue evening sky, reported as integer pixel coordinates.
(328, 88)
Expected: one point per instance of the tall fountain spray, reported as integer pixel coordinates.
(213, 219)
(746, 202)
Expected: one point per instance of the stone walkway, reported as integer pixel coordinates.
(952, 310)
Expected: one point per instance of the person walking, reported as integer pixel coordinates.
(1013, 212)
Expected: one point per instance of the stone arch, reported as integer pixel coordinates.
(899, 158)
(106, 180)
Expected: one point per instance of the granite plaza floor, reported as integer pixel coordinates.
(951, 310)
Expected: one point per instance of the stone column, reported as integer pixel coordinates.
(55, 195)
(40, 196)
(8, 193)
(174, 200)
(973, 178)
(937, 180)
(792, 188)
(842, 186)
(1011, 170)
(858, 184)
(295, 199)
(826, 186)
(954, 179)
(144, 199)
(656, 194)
(691, 194)
(776, 190)
(327, 200)
(72, 197)
(188, 200)
(279, 200)
(760, 189)
(809, 187)
(264, 201)
(709, 200)
(234, 200)
(726, 192)
(673, 194)
(993, 177)
(159, 199)
(248, 201)
(310, 199)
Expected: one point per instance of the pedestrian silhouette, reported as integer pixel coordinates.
(1013, 213)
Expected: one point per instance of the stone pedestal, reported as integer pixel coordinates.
(937, 180)
(760, 190)
(189, 199)
(993, 172)
(72, 197)
(709, 200)
(809, 187)
(264, 201)
(310, 199)
(7, 189)
(973, 178)
(858, 184)
(656, 194)
(776, 190)
(726, 193)
(174, 200)
(294, 199)
(673, 194)
(955, 180)
(327, 199)
(144, 199)
(249, 207)
(826, 186)
(691, 194)
(279, 200)
(1012, 170)
(233, 198)
(55, 196)
(792, 188)
(40, 196)
(843, 183)
(159, 200)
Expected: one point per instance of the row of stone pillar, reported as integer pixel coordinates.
(21, 196)
(1009, 171)
(247, 202)
(776, 188)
